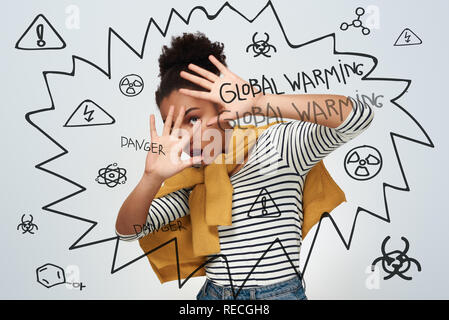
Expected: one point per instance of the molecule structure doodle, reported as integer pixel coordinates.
(40, 35)
(395, 262)
(261, 47)
(27, 225)
(357, 23)
(50, 275)
(363, 162)
(111, 176)
(131, 85)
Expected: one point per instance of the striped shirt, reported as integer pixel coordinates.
(266, 202)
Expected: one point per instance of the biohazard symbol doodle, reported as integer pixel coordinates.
(261, 47)
(111, 176)
(131, 85)
(395, 262)
(357, 23)
(363, 163)
(27, 225)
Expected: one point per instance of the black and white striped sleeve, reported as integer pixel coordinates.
(304, 144)
(162, 211)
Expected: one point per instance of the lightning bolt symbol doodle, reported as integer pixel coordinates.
(89, 113)
(407, 37)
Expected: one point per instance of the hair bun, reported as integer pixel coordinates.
(190, 48)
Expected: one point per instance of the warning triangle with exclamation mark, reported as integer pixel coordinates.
(40, 35)
(264, 206)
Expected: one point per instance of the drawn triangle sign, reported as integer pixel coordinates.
(407, 38)
(40, 35)
(88, 113)
(264, 206)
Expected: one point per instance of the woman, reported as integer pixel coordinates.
(191, 99)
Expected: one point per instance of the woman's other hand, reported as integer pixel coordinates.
(164, 160)
(214, 84)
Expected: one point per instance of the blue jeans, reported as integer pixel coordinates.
(291, 289)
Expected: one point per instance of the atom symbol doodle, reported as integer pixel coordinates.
(357, 23)
(111, 175)
(27, 225)
(395, 262)
(261, 46)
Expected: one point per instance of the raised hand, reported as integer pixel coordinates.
(216, 85)
(164, 160)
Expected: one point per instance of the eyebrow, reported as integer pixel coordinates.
(191, 109)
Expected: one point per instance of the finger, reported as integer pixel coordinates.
(206, 84)
(179, 118)
(218, 64)
(197, 94)
(168, 121)
(203, 72)
(153, 133)
(196, 132)
(186, 138)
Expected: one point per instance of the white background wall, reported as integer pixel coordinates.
(333, 271)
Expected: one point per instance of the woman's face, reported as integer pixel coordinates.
(195, 109)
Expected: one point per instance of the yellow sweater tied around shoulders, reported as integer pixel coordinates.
(210, 205)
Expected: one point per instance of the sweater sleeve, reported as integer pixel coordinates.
(304, 144)
(163, 211)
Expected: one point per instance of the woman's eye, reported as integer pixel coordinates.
(194, 119)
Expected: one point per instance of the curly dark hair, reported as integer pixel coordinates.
(188, 48)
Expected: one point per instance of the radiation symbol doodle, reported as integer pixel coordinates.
(131, 85)
(27, 225)
(396, 262)
(363, 163)
(111, 176)
(261, 47)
